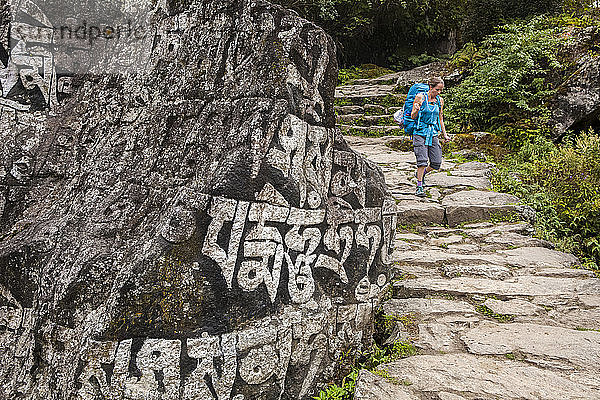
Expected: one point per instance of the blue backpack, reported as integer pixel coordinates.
(402, 116)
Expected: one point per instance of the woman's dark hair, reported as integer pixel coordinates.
(433, 82)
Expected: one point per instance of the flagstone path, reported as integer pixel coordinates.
(493, 312)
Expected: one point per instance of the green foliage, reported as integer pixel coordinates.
(408, 33)
(404, 59)
(503, 318)
(512, 74)
(466, 57)
(384, 324)
(371, 360)
(366, 71)
(562, 183)
(343, 392)
(484, 15)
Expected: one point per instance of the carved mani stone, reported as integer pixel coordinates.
(192, 228)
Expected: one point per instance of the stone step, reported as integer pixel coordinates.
(363, 91)
(472, 168)
(444, 180)
(407, 193)
(484, 229)
(370, 130)
(576, 317)
(458, 238)
(400, 307)
(513, 240)
(345, 110)
(440, 322)
(515, 307)
(545, 290)
(476, 205)
(567, 316)
(366, 109)
(530, 258)
(383, 99)
(374, 149)
(546, 346)
(374, 387)
(388, 79)
(420, 212)
(467, 377)
(392, 110)
(376, 109)
(366, 120)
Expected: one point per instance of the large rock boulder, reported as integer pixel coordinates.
(191, 228)
(577, 103)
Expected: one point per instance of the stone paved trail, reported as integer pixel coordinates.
(493, 312)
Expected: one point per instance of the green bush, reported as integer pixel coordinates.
(562, 183)
(343, 392)
(370, 360)
(510, 76)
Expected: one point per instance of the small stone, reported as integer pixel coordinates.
(590, 301)
(513, 307)
(446, 240)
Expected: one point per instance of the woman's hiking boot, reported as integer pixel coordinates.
(423, 180)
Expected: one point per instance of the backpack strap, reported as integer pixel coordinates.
(419, 117)
(439, 101)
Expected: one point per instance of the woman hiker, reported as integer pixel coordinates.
(428, 112)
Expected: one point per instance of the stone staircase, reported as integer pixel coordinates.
(367, 109)
(493, 312)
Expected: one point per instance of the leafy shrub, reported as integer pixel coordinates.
(411, 27)
(562, 183)
(484, 15)
(401, 61)
(372, 358)
(343, 392)
(511, 74)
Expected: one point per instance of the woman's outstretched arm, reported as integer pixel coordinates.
(417, 106)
